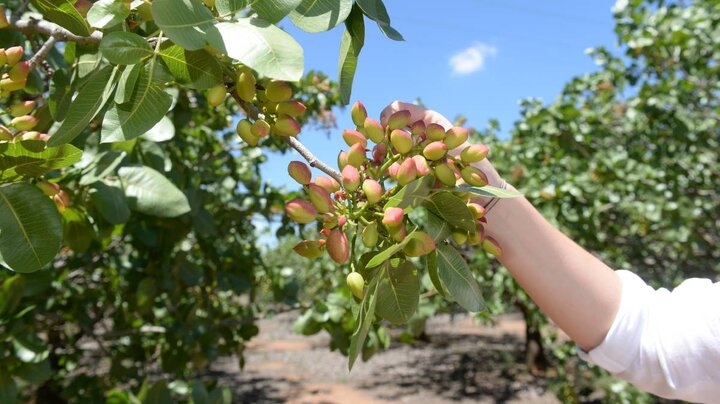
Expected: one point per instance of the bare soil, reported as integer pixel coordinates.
(462, 362)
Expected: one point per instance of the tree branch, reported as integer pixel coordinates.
(251, 111)
(50, 29)
(312, 160)
(43, 52)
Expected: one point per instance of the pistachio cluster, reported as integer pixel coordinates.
(277, 110)
(403, 152)
(14, 73)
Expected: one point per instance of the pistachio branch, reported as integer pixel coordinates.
(50, 29)
(42, 52)
(312, 160)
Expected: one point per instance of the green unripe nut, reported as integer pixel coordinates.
(491, 246)
(374, 130)
(342, 159)
(435, 132)
(373, 190)
(477, 210)
(300, 211)
(393, 218)
(407, 172)
(351, 178)
(329, 184)
(399, 119)
(337, 246)
(421, 165)
(300, 172)
(352, 137)
(245, 85)
(401, 141)
(285, 125)
(455, 137)
(216, 96)
(435, 151)
(459, 237)
(358, 114)
(244, 130)
(278, 91)
(14, 55)
(22, 108)
(418, 128)
(293, 108)
(474, 177)
(25, 122)
(370, 235)
(320, 198)
(356, 155)
(356, 284)
(474, 153)
(445, 174)
(260, 128)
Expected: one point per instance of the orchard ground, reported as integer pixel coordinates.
(462, 362)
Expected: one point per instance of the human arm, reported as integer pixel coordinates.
(575, 289)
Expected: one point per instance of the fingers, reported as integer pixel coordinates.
(417, 113)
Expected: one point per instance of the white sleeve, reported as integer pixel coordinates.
(666, 343)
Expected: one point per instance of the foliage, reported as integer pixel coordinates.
(129, 254)
(624, 160)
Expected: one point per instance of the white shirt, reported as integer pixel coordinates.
(666, 343)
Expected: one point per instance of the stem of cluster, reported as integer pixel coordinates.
(42, 53)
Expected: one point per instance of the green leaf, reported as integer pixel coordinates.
(8, 388)
(158, 394)
(350, 46)
(455, 274)
(228, 8)
(124, 48)
(452, 209)
(127, 82)
(147, 106)
(387, 253)
(364, 321)
(436, 227)
(149, 192)
(412, 194)
(162, 132)
(12, 292)
(30, 228)
(375, 10)
(109, 200)
(432, 268)
(85, 106)
(103, 165)
(194, 69)
(398, 292)
(320, 15)
(490, 191)
(188, 23)
(31, 158)
(78, 233)
(63, 13)
(108, 13)
(274, 11)
(264, 47)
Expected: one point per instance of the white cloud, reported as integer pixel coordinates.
(471, 59)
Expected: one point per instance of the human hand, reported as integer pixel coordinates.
(428, 116)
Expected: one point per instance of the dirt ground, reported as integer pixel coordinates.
(463, 363)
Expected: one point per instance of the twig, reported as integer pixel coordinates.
(312, 160)
(43, 52)
(251, 111)
(21, 9)
(28, 27)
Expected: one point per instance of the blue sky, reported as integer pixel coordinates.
(475, 57)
